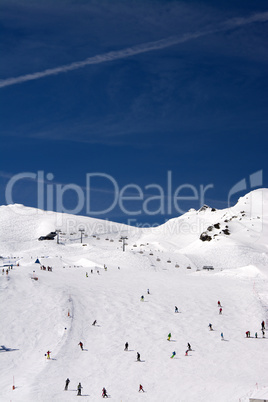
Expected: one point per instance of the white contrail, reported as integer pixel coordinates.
(131, 51)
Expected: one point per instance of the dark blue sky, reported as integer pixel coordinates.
(195, 106)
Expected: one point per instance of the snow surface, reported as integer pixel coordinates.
(56, 311)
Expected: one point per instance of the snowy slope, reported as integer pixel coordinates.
(56, 311)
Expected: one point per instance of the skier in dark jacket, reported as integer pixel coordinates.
(94, 322)
(263, 325)
(189, 346)
(126, 346)
(66, 384)
(104, 393)
(138, 357)
(79, 389)
(141, 388)
(81, 345)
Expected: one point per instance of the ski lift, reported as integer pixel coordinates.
(98, 238)
(169, 261)
(177, 265)
(141, 252)
(158, 259)
(151, 254)
(135, 245)
(111, 240)
(189, 267)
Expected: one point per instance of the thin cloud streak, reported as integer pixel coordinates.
(139, 49)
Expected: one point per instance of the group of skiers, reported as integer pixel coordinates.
(256, 333)
(104, 391)
(79, 389)
(189, 348)
(247, 332)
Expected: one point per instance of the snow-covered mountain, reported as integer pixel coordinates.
(54, 311)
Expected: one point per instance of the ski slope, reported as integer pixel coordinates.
(56, 311)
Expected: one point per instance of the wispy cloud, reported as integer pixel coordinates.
(139, 49)
(6, 175)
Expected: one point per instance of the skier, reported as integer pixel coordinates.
(210, 327)
(94, 322)
(189, 346)
(256, 334)
(126, 346)
(248, 334)
(104, 393)
(169, 336)
(173, 354)
(220, 311)
(141, 388)
(138, 357)
(81, 345)
(263, 333)
(263, 325)
(142, 298)
(148, 291)
(79, 389)
(86, 275)
(48, 354)
(219, 303)
(186, 352)
(222, 338)
(66, 384)
(176, 309)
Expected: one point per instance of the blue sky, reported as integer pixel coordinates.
(159, 86)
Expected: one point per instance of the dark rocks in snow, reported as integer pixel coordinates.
(205, 237)
(203, 208)
(217, 226)
(226, 231)
(210, 228)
